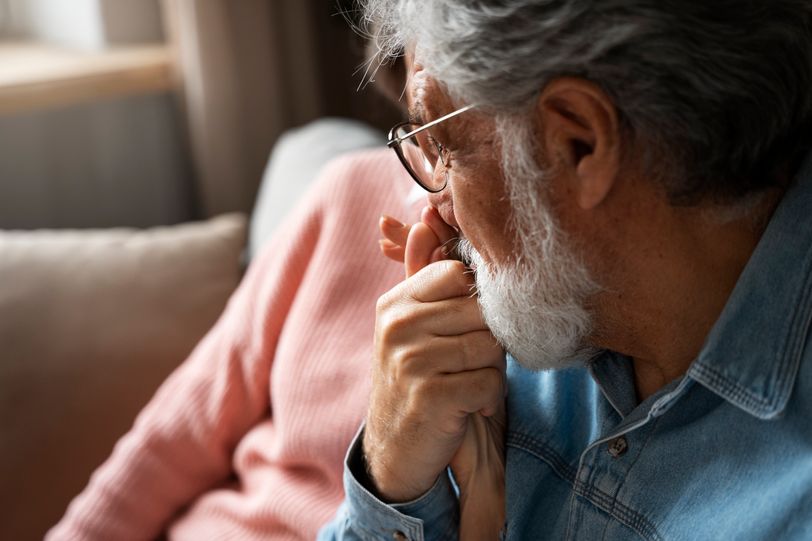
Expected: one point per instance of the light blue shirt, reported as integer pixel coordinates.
(723, 453)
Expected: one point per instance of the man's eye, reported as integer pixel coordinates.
(437, 144)
(442, 151)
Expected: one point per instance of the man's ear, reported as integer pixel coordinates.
(580, 135)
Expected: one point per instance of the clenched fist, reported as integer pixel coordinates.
(438, 382)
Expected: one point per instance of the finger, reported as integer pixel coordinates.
(420, 245)
(392, 250)
(473, 391)
(431, 217)
(440, 253)
(394, 230)
(454, 354)
(450, 317)
(439, 281)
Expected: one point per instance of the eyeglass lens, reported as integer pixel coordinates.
(422, 155)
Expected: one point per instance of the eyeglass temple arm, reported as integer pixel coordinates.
(433, 123)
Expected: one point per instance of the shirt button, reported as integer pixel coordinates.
(400, 536)
(618, 447)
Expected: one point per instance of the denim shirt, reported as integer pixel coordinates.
(725, 452)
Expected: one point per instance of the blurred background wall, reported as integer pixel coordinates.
(188, 135)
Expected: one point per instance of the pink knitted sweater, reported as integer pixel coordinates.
(246, 439)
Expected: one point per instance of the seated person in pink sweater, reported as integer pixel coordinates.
(246, 439)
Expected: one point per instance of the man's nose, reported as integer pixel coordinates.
(441, 198)
(444, 204)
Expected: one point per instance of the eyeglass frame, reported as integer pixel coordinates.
(395, 142)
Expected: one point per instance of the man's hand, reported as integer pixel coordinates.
(438, 383)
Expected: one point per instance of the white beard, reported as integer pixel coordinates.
(535, 309)
(535, 312)
(535, 304)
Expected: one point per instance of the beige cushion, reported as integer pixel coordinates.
(91, 322)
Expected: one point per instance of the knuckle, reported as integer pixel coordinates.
(404, 360)
(454, 266)
(382, 303)
(448, 269)
(411, 362)
(425, 389)
(384, 338)
(388, 300)
(393, 319)
(396, 321)
(393, 297)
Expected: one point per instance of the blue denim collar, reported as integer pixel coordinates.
(753, 352)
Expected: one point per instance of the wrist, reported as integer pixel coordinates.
(385, 484)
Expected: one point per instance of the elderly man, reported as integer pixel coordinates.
(629, 183)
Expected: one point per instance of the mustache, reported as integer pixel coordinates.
(459, 248)
(462, 250)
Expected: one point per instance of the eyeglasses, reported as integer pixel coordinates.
(419, 152)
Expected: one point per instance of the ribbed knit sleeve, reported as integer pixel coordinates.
(245, 439)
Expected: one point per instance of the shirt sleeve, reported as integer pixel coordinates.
(434, 516)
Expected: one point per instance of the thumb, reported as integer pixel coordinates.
(420, 245)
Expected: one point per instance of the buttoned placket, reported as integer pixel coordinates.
(604, 465)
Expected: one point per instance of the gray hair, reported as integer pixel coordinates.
(717, 94)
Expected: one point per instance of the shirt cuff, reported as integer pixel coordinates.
(432, 516)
